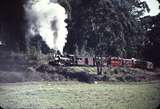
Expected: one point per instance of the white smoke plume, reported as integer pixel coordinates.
(46, 17)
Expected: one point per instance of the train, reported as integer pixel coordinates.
(72, 60)
(131, 63)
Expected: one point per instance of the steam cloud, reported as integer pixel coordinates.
(46, 17)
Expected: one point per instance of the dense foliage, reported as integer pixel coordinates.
(152, 43)
(38, 44)
(12, 24)
(111, 26)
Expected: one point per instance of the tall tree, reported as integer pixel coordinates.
(111, 26)
(152, 43)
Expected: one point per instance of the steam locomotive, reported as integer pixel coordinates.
(72, 60)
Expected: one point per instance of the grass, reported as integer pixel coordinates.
(75, 95)
(91, 70)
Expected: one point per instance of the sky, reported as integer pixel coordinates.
(154, 6)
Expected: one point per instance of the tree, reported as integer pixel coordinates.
(39, 44)
(152, 43)
(115, 24)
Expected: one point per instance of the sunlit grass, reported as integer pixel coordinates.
(88, 69)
